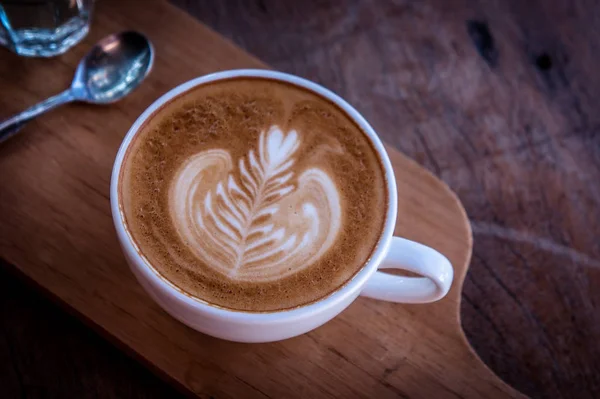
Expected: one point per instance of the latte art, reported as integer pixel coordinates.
(259, 222)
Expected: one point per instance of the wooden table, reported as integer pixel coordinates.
(497, 99)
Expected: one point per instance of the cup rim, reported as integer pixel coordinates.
(350, 287)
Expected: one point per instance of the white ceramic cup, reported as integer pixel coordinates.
(390, 252)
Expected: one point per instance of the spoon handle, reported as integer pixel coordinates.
(11, 126)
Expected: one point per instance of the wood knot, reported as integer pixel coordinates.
(484, 41)
(543, 62)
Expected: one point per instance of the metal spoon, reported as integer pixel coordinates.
(114, 67)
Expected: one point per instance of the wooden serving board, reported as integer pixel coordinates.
(56, 228)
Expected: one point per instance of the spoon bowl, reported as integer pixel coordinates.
(113, 68)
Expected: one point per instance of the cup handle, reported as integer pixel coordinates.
(404, 254)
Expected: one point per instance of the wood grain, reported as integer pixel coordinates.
(499, 99)
(56, 228)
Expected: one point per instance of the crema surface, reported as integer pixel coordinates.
(253, 194)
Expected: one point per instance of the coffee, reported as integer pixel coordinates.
(253, 194)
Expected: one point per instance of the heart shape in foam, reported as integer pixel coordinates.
(257, 222)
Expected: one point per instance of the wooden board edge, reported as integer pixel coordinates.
(184, 15)
(18, 273)
(460, 278)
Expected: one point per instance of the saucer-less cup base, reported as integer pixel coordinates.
(390, 253)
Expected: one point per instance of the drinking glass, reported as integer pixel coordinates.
(43, 28)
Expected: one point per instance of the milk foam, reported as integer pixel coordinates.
(259, 219)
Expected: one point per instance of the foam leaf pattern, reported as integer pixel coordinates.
(255, 220)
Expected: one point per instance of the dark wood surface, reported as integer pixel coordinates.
(496, 98)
